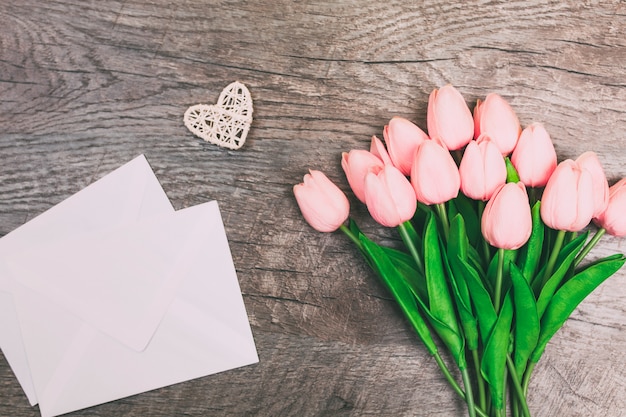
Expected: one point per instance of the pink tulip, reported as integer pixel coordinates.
(613, 219)
(434, 174)
(482, 169)
(534, 157)
(379, 150)
(449, 118)
(506, 221)
(567, 202)
(495, 117)
(324, 206)
(356, 164)
(389, 196)
(590, 162)
(402, 138)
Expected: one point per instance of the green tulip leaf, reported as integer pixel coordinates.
(511, 172)
(549, 237)
(465, 207)
(399, 288)
(531, 254)
(564, 261)
(457, 248)
(527, 327)
(439, 300)
(468, 321)
(474, 259)
(574, 245)
(485, 312)
(493, 363)
(407, 268)
(421, 215)
(450, 336)
(570, 295)
(458, 245)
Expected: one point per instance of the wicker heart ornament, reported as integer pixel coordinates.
(226, 123)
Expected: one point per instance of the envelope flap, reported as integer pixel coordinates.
(121, 281)
(120, 197)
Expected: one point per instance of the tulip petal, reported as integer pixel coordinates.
(449, 118)
(402, 193)
(324, 206)
(482, 169)
(356, 164)
(434, 174)
(567, 202)
(389, 196)
(379, 201)
(590, 162)
(507, 219)
(534, 156)
(613, 218)
(495, 117)
(377, 148)
(403, 138)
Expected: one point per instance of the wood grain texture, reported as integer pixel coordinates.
(87, 86)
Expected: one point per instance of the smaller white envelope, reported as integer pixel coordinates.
(108, 312)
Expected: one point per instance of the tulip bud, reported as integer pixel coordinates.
(590, 162)
(507, 221)
(482, 169)
(434, 174)
(495, 117)
(324, 206)
(613, 219)
(356, 164)
(378, 149)
(449, 118)
(567, 202)
(534, 156)
(389, 196)
(402, 138)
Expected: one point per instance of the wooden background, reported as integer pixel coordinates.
(85, 86)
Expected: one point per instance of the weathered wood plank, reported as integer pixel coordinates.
(86, 86)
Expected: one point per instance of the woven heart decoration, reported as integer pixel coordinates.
(226, 123)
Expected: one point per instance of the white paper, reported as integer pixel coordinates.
(112, 293)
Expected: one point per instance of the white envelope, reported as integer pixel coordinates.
(112, 293)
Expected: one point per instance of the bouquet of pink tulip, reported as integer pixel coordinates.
(493, 234)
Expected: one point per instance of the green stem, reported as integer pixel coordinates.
(517, 387)
(446, 373)
(514, 406)
(498, 289)
(553, 256)
(526, 379)
(354, 238)
(480, 382)
(406, 238)
(455, 386)
(443, 216)
(589, 246)
(469, 395)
